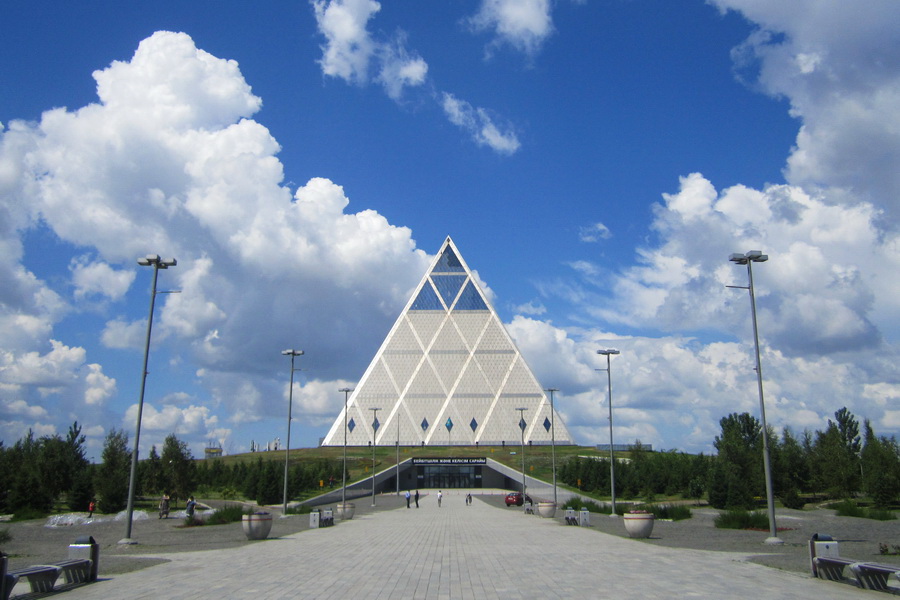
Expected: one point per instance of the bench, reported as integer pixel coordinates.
(42, 578)
(873, 576)
(831, 567)
(75, 570)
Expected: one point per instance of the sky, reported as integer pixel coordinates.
(596, 162)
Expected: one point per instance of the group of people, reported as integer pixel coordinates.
(408, 497)
(164, 507)
(440, 497)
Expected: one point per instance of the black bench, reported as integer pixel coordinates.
(873, 576)
(41, 578)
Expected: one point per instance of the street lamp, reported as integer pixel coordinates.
(552, 440)
(157, 263)
(748, 259)
(344, 472)
(612, 460)
(374, 443)
(397, 472)
(287, 448)
(522, 425)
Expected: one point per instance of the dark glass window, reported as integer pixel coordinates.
(448, 286)
(448, 263)
(470, 299)
(427, 299)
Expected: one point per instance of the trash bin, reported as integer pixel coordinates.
(821, 544)
(86, 547)
(584, 518)
(327, 518)
(570, 516)
(314, 519)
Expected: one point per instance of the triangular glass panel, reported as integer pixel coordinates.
(470, 299)
(351, 425)
(424, 424)
(427, 299)
(449, 425)
(448, 263)
(547, 424)
(473, 424)
(448, 286)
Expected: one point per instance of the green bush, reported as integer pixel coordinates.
(880, 514)
(227, 514)
(742, 519)
(675, 512)
(791, 499)
(299, 509)
(28, 514)
(193, 521)
(5, 536)
(846, 508)
(577, 504)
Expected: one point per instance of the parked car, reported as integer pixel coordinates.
(516, 498)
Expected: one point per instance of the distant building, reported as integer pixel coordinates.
(448, 374)
(212, 450)
(624, 447)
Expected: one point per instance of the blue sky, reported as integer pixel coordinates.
(595, 162)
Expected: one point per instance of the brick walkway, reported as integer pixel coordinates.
(478, 552)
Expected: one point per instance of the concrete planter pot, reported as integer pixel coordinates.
(257, 525)
(638, 524)
(345, 510)
(546, 510)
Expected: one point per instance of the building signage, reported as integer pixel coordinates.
(450, 461)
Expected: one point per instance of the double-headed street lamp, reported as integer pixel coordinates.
(344, 472)
(612, 460)
(522, 426)
(287, 448)
(157, 263)
(748, 259)
(374, 443)
(552, 440)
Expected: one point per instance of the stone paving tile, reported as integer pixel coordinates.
(458, 552)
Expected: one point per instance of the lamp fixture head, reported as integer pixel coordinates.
(608, 351)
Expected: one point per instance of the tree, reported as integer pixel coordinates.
(178, 468)
(740, 462)
(880, 460)
(834, 469)
(111, 482)
(151, 477)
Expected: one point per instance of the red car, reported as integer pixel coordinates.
(516, 498)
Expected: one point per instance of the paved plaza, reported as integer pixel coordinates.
(457, 551)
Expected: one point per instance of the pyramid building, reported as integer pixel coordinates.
(448, 373)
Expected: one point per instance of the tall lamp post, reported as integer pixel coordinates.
(397, 472)
(374, 443)
(612, 460)
(344, 473)
(748, 259)
(552, 440)
(157, 263)
(522, 425)
(287, 448)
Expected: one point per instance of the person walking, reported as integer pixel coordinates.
(189, 509)
(91, 506)
(440, 495)
(164, 507)
(407, 498)
(417, 498)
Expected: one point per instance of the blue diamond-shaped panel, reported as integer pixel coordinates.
(424, 424)
(473, 424)
(449, 425)
(522, 424)
(351, 425)
(376, 424)
(547, 424)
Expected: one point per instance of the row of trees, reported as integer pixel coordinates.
(836, 462)
(38, 472)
